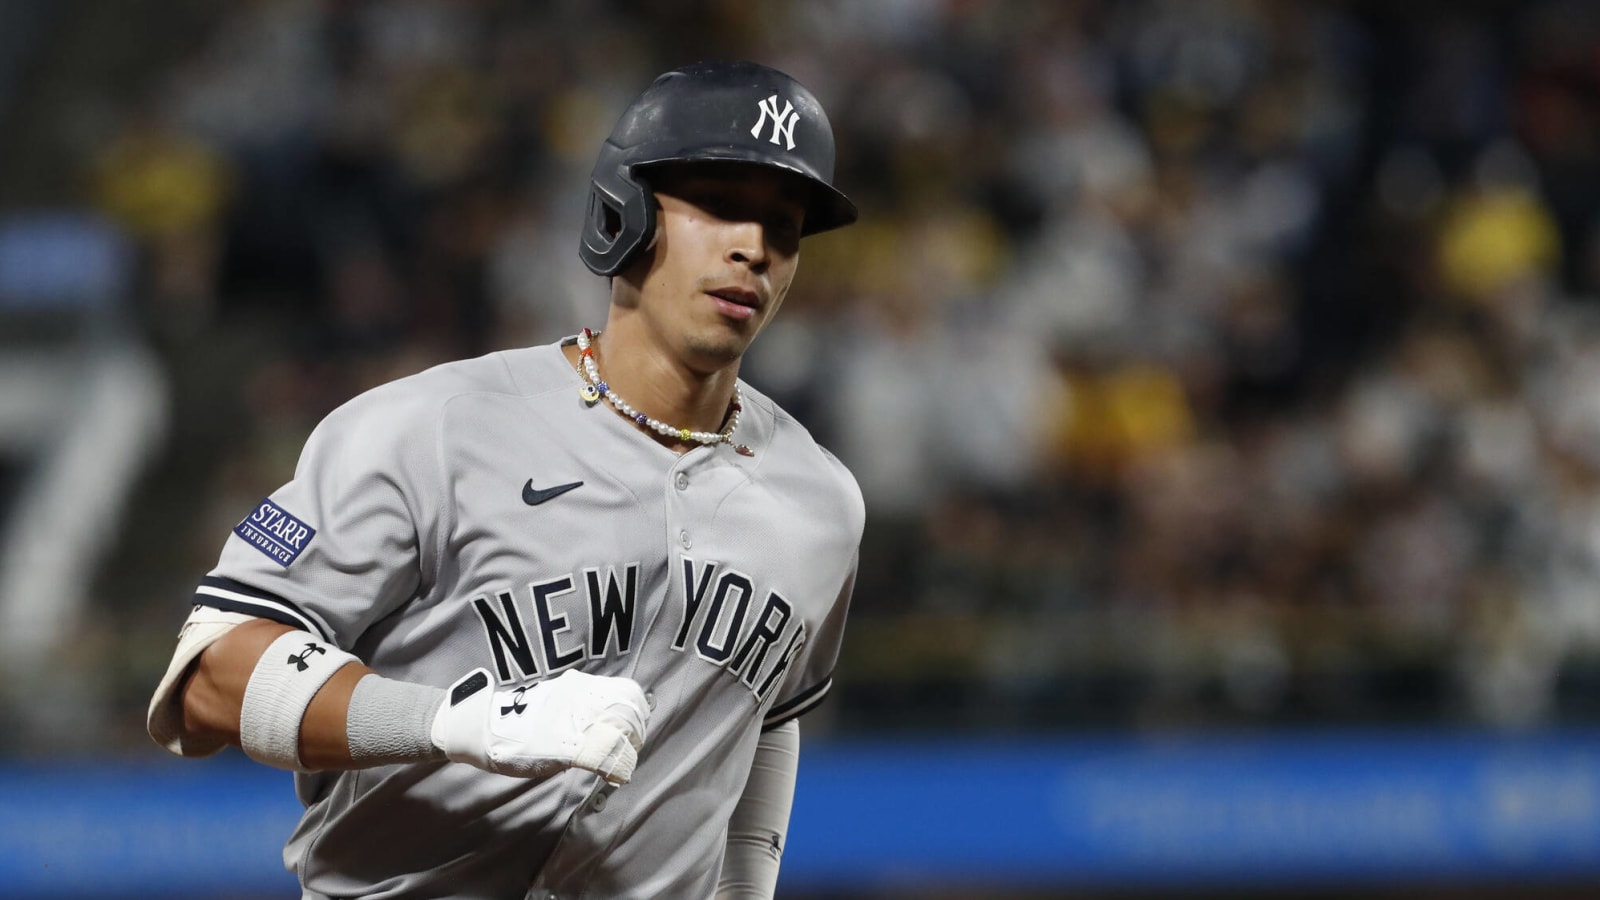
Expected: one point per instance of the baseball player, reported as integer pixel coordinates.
(539, 624)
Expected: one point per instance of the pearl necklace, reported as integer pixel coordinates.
(593, 389)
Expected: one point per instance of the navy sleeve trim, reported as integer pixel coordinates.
(807, 700)
(232, 596)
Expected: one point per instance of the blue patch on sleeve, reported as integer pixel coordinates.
(273, 531)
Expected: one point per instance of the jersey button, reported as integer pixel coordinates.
(682, 481)
(599, 802)
(650, 699)
(683, 538)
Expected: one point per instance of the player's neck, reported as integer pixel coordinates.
(659, 384)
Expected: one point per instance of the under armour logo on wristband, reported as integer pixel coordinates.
(299, 659)
(517, 706)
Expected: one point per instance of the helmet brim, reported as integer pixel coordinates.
(826, 209)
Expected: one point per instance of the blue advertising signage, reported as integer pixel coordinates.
(1310, 810)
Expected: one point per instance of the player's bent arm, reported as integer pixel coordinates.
(760, 822)
(292, 701)
(213, 697)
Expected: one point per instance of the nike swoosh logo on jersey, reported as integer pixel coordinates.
(534, 496)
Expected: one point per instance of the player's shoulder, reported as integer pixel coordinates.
(398, 415)
(797, 455)
(426, 393)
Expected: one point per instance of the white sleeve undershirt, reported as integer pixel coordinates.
(760, 823)
(164, 719)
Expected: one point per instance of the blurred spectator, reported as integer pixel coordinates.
(1237, 354)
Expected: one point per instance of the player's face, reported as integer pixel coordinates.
(727, 244)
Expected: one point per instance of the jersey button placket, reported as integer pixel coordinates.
(680, 481)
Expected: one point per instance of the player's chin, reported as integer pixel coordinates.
(720, 345)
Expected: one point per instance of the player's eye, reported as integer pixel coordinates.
(784, 228)
(720, 202)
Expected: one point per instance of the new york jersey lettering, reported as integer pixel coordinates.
(716, 606)
(552, 629)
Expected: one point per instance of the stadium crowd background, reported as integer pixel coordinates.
(1204, 364)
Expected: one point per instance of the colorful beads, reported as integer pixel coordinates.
(593, 389)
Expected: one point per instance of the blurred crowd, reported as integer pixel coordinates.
(1201, 362)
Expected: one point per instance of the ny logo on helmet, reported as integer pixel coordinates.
(782, 122)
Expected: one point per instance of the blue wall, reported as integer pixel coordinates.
(1305, 810)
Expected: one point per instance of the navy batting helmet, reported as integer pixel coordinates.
(729, 111)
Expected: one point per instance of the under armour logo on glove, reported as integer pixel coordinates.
(299, 659)
(574, 720)
(517, 706)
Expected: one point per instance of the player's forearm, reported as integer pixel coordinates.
(324, 738)
(760, 821)
(295, 702)
(213, 696)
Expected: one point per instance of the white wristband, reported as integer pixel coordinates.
(391, 722)
(289, 673)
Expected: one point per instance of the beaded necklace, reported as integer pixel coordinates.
(594, 388)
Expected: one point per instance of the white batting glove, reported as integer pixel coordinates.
(574, 720)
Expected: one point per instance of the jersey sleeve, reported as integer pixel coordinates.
(810, 673)
(811, 676)
(354, 535)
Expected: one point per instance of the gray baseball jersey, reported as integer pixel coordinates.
(482, 514)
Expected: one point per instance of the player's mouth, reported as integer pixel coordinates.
(736, 302)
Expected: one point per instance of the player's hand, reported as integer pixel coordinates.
(593, 722)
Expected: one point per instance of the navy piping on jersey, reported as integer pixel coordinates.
(808, 699)
(231, 596)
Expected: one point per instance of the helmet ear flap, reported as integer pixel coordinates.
(621, 221)
(604, 217)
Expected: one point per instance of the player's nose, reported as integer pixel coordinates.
(747, 245)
